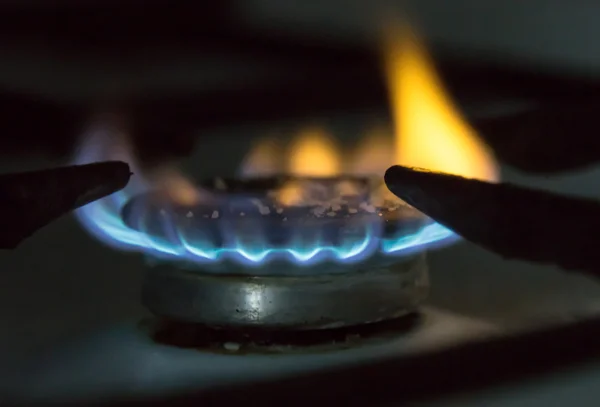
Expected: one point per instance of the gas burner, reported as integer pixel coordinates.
(258, 223)
(290, 253)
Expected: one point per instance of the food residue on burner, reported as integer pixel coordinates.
(262, 208)
(319, 211)
(328, 198)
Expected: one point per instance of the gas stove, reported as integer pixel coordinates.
(104, 356)
(315, 266)
(276, 269)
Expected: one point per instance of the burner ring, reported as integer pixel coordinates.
(345, 218)
(373, 293)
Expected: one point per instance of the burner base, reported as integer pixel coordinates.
(372, 293)
(261, 341)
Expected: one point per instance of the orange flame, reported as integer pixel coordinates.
(177, 187)
(291, 194)
(313, 153)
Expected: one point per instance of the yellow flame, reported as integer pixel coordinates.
(313, 153)
(373, 154)
(291, 194)
(429, 131)
(264, 159)
(178, 188)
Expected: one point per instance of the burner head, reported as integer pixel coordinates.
(371, 293)
(282, 253)
(255, 222)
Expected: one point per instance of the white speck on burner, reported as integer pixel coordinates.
(284, 219)
(352, 210)
(367, 207)
(331, 213)
(163, 212)
(232, 346)
(279, 210)
(215, 214)
(262, 209)
(319, 211)
(189, 214)
(242, 214)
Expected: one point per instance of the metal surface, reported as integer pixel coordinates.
(119, 360)
(371, 294)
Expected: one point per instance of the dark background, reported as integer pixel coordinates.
(199, 82)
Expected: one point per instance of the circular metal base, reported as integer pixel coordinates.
(372, 293)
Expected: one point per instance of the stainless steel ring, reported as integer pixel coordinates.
(372, 293)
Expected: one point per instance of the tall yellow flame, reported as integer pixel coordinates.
(429, 131)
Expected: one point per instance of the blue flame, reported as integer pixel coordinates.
(102, 219)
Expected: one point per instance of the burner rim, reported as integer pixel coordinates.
(236, 223)
(324, 301)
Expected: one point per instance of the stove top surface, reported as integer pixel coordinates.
(123, 360)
